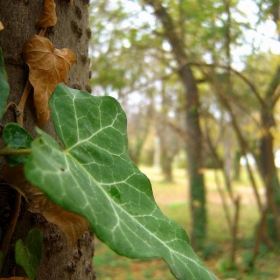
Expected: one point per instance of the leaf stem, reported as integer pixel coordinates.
(22, 102)
(42, 32)
(10, 105)
(4, 152)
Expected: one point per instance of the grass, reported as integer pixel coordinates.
(172, 198)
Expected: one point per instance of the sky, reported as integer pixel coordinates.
(265, 36)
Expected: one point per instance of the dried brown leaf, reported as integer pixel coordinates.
(1, 26)
(47, 68)
(48, 15)
(71, 224)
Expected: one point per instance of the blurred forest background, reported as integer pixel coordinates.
(199, 81)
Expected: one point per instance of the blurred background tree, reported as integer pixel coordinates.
(198, 78)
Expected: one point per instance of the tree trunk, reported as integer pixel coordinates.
(59, 260)
(267, 164)
(268, 167)
(236, 165)
(194, 157)
(194, 143)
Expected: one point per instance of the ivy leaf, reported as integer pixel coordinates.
(4, 86)
(47, 67)
(28, 254)
(94, 176)
(16, 137)
(48, 15)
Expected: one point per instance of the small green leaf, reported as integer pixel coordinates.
(94, 176)
(4, 86)
(16, 137)
(28, 253)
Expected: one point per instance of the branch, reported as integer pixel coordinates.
(22, 102)
(170, 31)
(240, 75)
(242, 141)
(273, 90)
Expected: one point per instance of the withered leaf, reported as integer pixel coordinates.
(1, 25)
(48, 15)
(47, 68)
(71, 224)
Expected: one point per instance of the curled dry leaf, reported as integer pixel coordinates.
(1, 26)
(48, 15)
(47, 68)
(71, 224)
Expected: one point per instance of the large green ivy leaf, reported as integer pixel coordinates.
(95, 177)
(28, 253)
(4, 86)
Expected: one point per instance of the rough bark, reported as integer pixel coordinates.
(59, 260)
(194, 143)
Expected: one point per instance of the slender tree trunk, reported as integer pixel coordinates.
(267, 164)
(166, 160)
(236, 165)
(166, 152)
(194, 144)
(59, 260)
(168, 139)
(194, 158)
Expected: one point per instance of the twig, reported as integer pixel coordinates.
(224, 202)
(22, 102)
(235, 230)
(237, 73)
(9, 105)
(259, 236)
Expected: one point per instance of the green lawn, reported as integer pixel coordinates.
(172, 198)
